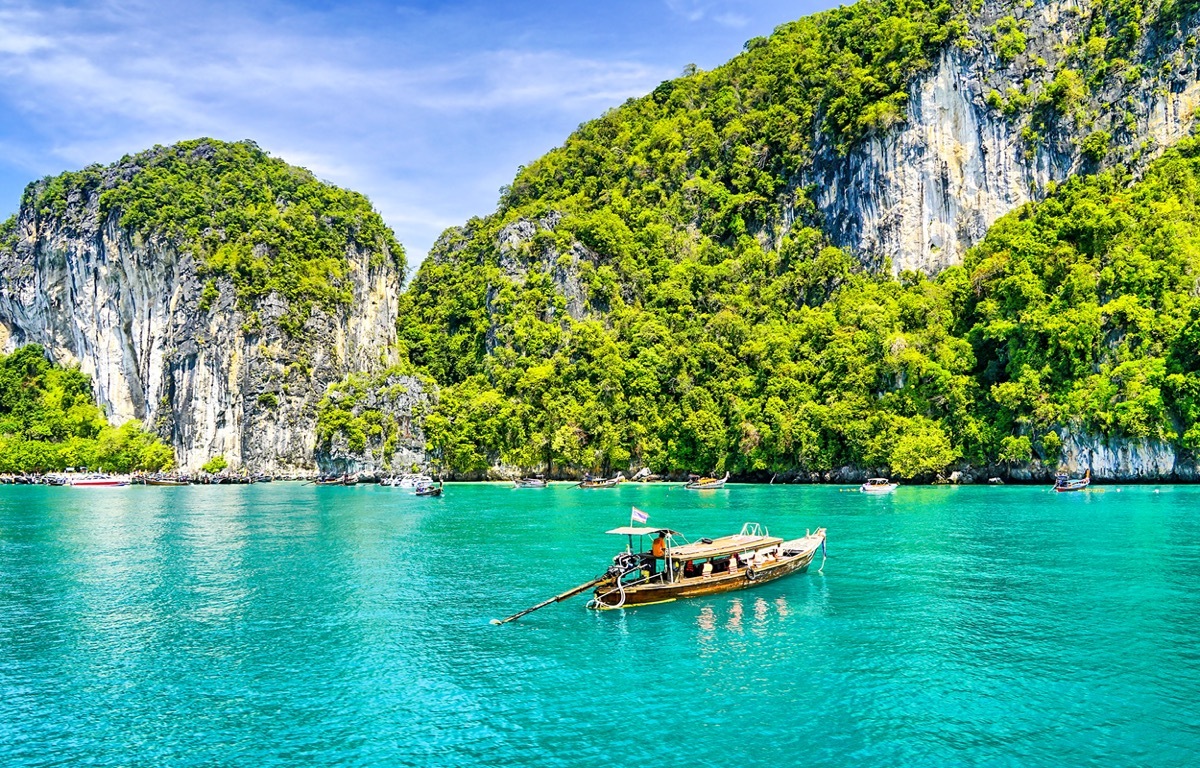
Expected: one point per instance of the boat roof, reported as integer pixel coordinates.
(726, 545)
(629, 530)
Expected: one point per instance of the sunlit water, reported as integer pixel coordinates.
(285, 624)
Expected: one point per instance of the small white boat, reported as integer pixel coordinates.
(97, 480)
(530, 482)
(407, 481)
(878, 485)
(1064, 484)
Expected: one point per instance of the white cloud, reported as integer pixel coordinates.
(732, 20)
(359, 111)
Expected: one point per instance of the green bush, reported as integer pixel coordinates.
(49, 421)
(215, 465)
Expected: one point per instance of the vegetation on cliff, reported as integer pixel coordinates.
(49, 421)
(1078, 311)
(1084, 307)
(373, 414)
(265, 226)
(659, 291)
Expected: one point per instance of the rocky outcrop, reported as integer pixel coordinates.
(922, 193)
(210, 377)
(373, 426)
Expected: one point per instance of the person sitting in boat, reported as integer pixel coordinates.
(658, 550)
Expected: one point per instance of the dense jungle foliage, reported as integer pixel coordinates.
(264, 225)
(371, 412)
(658, 291)
(49, 421)
(1078, 312)
(697, 349)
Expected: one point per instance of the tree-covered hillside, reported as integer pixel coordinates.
(50, 421)
(1078, 312)
(659, 291)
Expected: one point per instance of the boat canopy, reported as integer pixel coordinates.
(629, 530)
(726, 545)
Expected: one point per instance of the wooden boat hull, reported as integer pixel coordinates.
(530, 483)
(743, 578)
(715, 486)
(1076, 486)
(167, 483)
(593, 486)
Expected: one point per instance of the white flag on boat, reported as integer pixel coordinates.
(639, 516)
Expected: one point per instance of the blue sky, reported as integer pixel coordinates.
(427, 108)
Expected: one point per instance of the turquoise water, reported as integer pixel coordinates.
(284, 624)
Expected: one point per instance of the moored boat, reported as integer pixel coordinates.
(706, 483)
(590, 482)
(166, 481)
(530, 482)
(1064, 484)
(97, 480)
(431, 490)
(411, 481)
(878, 485)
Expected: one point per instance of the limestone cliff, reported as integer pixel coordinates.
(987, 131)
(184, 348)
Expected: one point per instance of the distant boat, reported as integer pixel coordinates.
(878, 485)
(166, 481)
(1063, 483)
(706, 483)
(644, 475)
(530, 482)
(590, 482)
(337, 480)
(431, 490)
(97, 480)
(409, 481)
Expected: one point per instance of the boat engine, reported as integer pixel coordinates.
(624, 563)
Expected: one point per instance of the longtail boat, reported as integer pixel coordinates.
(530, 482)
(597, 482)
(706, 483)
(166, 481)
(430, 490)
(706, 567)
(1063, 483)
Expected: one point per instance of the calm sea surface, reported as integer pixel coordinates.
(284, 624)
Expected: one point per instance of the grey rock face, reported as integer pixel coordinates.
(1125, 460)
(923, 193)
(210, 381)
